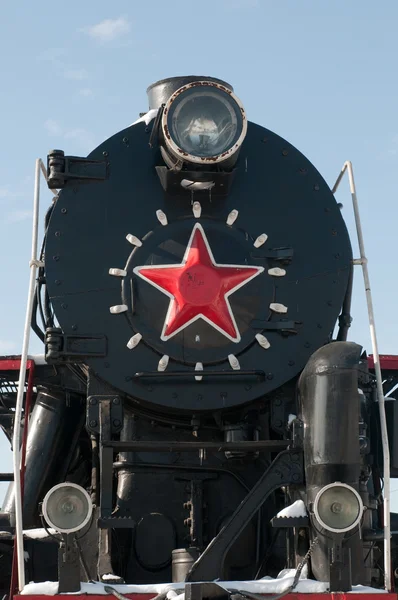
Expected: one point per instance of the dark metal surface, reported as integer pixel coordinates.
(285, 469)
(313, 288)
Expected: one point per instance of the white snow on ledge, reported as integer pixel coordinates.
(297, 509)
(267, 585)
(147, 118)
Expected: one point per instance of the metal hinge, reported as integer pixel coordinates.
(60, 347)
(61, 169)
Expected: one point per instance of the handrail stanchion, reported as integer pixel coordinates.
(379, 381)
(18, 468)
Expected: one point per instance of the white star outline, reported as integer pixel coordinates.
(164, 337)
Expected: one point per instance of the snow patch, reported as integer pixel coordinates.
(38, 359)
(267, 585)
(297, 509)
(147, 118)
(38, 534)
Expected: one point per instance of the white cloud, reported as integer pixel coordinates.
(18, 215)
(85, 92)
(108, 30)
(82, 136)
(76, 74)
(84, 140)
(53, 127)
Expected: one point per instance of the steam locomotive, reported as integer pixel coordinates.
(199, 414)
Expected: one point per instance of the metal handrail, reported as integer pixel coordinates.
(363, 261)
(17, 467)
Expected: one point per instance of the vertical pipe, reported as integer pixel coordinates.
(21, 384)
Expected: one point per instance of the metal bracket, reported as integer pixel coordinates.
(284, 522)
(283, 327)
(171, 181)
(61, 169)
(286, 469)
(61, 347)
(93, 414)
(283, 255)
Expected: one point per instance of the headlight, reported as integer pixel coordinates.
(338, 507)
(203, 122)
(67, 507)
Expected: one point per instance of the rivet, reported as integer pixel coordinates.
(334, 232)
(116, 401)
(93, 401)
(65, 306)
(125, 140)
(56, 258)
(105, 154)
(116, 423)
(285, 152)
(64, 211)
(316, 188)
(270, 376)
(74, 327)
(58, 282)
(93, 423)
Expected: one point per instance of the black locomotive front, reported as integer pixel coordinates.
(195, 266)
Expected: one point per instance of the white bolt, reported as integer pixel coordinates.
(233, 215)
(233, 361)
(196, 209)
(118, 308)
(262, 340)
(161, 217)
(133, 239)
(118, 272)
(199, 367)
(279, 308)
(134, 341)
(277, 272)
(164, 361)
(260, 240)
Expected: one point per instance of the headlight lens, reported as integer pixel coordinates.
(338, 507)
(203, 123)
(67, 507)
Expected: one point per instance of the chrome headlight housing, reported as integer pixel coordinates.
(203, 123)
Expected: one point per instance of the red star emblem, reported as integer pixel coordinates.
(199, 288)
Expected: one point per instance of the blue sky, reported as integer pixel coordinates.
(320, 73)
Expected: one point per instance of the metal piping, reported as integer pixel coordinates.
(379, 382)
